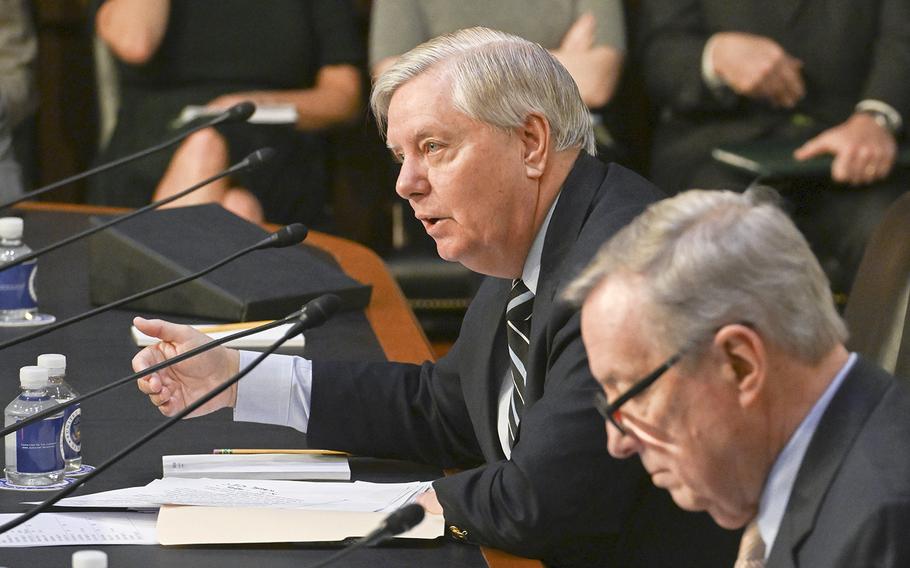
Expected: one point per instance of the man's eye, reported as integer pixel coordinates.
(432, 147)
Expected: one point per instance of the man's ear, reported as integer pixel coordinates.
(535, 138)
(746, 361)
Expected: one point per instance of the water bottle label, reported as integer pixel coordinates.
(38, 448)
(17, 287)
(72, 434)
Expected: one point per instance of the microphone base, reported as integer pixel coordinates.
(31, 320)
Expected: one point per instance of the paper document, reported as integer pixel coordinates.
(70, 529)
(265, 114)
(359, 496)
(257, 466)
(218, 525)
(257, 340)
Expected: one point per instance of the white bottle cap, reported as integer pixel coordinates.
(52, 361)
(89, 559)
(11, 228)
(33, 377)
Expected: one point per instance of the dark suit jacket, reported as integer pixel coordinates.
(851, 50)
(850, 504)
(560, 497)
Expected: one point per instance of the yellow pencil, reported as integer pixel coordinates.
(232, 326)
(267, 451)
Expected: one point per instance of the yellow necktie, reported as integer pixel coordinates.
(751, 549)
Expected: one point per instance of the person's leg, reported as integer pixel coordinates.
(202, 155)
(242, 203)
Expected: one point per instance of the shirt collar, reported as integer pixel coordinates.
(531, 271)
(779, 484)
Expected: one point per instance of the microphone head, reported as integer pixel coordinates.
(289, 235)
(404, 519)
(318, 310)
(257, 158)
(240, 112)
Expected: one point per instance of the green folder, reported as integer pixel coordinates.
(773, 158)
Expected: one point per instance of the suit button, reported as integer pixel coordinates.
(458, 533)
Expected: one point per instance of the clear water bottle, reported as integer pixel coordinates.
(59, 390)
(33, 453)
(18, 301)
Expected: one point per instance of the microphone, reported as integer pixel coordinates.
(240, 112)
(251, 162)
(401, 520)
(297, 231)
(321, 308)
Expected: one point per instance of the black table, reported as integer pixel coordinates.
(99, 351)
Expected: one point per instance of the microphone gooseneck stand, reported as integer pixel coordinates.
(251, 162)
(237, 113)
(315, 313)
(283, 237)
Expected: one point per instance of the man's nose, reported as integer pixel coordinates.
(621, 445)
(412, 180)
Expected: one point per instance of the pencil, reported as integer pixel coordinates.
(276, 451)
(232, 326)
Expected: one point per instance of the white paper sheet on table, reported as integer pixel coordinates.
(359, 496)
(72, 529)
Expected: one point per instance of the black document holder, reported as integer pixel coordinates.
(165, 245)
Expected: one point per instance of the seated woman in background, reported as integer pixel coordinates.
(175, 53)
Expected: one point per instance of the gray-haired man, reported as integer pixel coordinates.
(710, 326)
(494, 141)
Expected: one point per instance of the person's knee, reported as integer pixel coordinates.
(244, 204)
(205, 146)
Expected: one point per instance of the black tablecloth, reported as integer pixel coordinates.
(99, 350)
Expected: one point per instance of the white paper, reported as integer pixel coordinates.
(257, 340)
(69, 529)
(358, 496)
(264, 114)
(257, 466)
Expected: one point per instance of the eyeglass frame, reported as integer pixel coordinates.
(610, 411)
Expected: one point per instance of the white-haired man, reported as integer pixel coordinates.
(711, 328)
(494, 143)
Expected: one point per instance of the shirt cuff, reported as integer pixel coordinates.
(895, 120)
(276, 392)
(708, 73)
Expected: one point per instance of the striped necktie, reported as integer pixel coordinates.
(751, 549)
(518, 332)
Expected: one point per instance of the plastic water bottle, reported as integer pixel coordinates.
(59, 390)
(18, 301)
(89, 559)
(33, 453)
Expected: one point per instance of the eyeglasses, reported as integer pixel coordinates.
(611, 412)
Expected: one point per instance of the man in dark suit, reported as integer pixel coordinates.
(494, 143)
(832, 74)
(756, 413)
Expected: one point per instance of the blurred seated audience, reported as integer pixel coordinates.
(834, 78)
(175, 53)
(18, 95)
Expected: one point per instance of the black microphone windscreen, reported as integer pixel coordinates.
(404, 519)
(288, 235)
(320, 309)
(240, 112)
(257, 158)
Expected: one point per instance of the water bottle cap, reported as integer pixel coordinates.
(33, 377)
(89, 559)
(11, 228)
(52, 361)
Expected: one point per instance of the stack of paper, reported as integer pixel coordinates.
(258, 466)
(264, 114)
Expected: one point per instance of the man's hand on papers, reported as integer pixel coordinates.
(173, 388)
(429, 502)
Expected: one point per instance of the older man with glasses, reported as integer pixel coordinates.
(755, 412)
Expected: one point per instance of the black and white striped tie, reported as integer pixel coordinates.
(518, 332)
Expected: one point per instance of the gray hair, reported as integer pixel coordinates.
(711, 258)
(497, 78)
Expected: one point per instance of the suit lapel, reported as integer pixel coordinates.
(568, 218)
(841, 423)
(485, 369)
